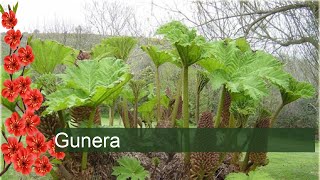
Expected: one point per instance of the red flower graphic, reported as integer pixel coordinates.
(15, 125)
(22, 161)
(52, 150)
(36, 143)
(10, 148)
(12, 38)
(26, 56)
(31, 122)
(10, 91)
(23, 85)
(11, 64)
(33, 99)
(42, 166)
(9, 20)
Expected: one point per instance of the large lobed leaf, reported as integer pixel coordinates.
(158, 56)
(48, 54)
(129, 168)
(118, 47)
(188, 44)
(296, 90)
(90, 84)
(233, 63)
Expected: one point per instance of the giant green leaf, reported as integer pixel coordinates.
(129, 168)
(48, 54)
(233, 63)
(158, 56)
(90, 84)
(119, 47)
(296, 90)
(189, 45)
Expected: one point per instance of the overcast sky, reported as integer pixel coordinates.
(35, 14)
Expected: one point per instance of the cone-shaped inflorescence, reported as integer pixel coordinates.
(260, 158)
(203, 164)
(82, 113)
(49, 123)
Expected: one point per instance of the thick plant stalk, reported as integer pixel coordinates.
(177, 100)
(185, 111)
(135, 113)
(158, 94)
(202, 80)
(245, 162)
(84, 160)
(276, 114)
(185, 96)
(61, 118)
(111, 113)
(220, 107)
(197, 107)
(126, 122)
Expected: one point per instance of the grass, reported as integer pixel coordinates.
(282, 166)
(297, 166)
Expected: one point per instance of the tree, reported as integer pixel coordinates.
(111, 18)
(287, 28)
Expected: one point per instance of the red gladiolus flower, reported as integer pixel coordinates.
(31, 122)
(36, 143)
(15, 125)
(13, 38)
(9, 20)
(10, 148)
(22, 161)
(23, 85)
(25, 55)
(11, 64)
(52, 150)
(10, 91)
(42, 166)
(33, 99)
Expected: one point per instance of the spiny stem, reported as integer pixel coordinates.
(220, 107)
(276, 114)
(177, 100)
(84, 160)
(158, 94)
(185, 94)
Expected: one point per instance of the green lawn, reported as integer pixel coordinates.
(282, 166)
(299, 166)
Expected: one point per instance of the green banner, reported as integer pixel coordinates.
(186, 140)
